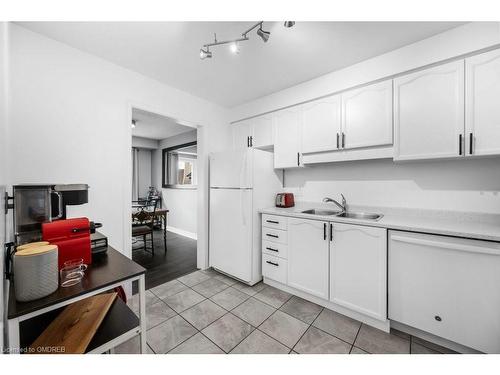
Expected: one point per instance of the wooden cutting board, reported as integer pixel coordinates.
(73, 329)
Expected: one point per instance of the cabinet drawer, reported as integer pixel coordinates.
(274, 249)
(274, 235)
(272, 221)
(274, 268)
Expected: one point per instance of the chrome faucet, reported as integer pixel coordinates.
(342, 206)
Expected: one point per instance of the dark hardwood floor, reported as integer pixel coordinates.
(179, 260)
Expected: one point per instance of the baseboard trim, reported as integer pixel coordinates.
(182, 232)
(383, 325)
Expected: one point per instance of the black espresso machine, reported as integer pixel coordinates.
(35, 204)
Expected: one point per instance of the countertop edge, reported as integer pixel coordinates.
(385, 222)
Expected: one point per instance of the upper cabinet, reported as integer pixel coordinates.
(262, 134)
(429, 113)
(355, 119)
(446, 111)
(287, 138)
(321, 121)
(482, 111)
(367, 116)
(241, 135)
(256, 132)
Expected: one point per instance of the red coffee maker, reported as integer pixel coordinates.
(72, 237)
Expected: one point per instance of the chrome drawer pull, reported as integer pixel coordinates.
(270, 248)
(272, 263)
(272, 235)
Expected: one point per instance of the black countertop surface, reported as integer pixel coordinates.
(106, 269)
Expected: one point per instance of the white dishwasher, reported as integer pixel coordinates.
(446, 286)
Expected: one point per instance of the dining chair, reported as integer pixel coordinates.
(143, 225)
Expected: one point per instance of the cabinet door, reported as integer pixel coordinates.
(482, 111)
(321, 124)
(287, 138)
(241, 134)
(262, 131)
(308, 244)
(358, 269)
(367, 116)
(429, 113)
(446, 286)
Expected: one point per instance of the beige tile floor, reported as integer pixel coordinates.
(207, 312)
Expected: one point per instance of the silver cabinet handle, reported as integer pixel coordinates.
(272, 263)
(272, 235)
(271, 249)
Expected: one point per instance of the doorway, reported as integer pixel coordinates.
(165, 168)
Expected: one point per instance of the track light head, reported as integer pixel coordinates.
(205, 54)
(234, 48)
(289, 24)
(263, 34)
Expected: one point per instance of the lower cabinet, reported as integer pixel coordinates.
(308, 243)
(446, 286)
(358, 269)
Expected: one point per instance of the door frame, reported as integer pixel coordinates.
(202, 189)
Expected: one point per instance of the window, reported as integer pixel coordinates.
(180, 166)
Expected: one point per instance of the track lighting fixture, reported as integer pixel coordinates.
(235, 43)
(205, 54)
(263, 34)
(234, 47)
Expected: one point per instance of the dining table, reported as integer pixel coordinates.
(159, 213)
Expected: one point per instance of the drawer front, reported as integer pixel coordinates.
(274, 235)
(274, 249)
(272, 221)
(274, 268)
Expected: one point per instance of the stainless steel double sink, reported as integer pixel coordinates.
(347, 214)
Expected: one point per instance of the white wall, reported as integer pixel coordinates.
(180, 202)
(465, 185)
(144, 158)
(3, 165)
(70, 116)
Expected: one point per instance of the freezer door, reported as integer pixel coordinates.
(231, 232)
(231, 169)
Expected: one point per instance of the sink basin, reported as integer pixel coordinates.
(315, 211)
(360, 215)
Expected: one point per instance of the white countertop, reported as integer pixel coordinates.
(449, 223)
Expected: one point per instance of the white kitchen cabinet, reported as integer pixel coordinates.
(446, 286)
(262, 132)
(287, 138)
(367, 116)
(358, 269)
(429, 113)
(241, 135)
(321, 124)
(308, 244)
(274, 268)
(482, 111)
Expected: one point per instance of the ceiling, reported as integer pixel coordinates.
(153, 126)
(169, 51)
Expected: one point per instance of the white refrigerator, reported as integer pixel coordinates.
(241, 182)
